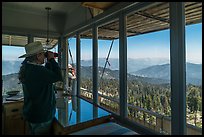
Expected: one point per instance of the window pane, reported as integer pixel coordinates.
(10, 68)
(108, 61)
(148, 68)
(86, 65)
(194, 79)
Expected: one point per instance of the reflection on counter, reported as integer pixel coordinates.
(72, 110)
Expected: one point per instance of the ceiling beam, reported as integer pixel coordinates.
(152, 16)
(98, 5)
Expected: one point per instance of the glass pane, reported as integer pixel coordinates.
(72, 65)
(86, 65)
(10, 67)
(108, 66)
(148, 68)
(194, 79)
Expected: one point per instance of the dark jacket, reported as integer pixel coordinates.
(39, 96)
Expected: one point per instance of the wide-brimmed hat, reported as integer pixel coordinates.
(33, 48)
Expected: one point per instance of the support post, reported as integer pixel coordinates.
(64, 60)
(78, 63)
(95, 65)
(178, 68)
(122, 66)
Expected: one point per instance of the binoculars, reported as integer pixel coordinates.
(55, 54)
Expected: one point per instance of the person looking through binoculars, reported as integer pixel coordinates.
(37, 82)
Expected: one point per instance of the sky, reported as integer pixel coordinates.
(151, 45)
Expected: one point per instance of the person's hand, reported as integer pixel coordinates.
(50, 55)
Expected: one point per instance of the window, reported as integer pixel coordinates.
(194, 77)
(86, 65)
(10, 67)
(108, 67)
(148, 70)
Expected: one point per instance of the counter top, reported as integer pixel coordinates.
(72, 113)
(72, 110)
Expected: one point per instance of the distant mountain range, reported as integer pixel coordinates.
(11, 82)
(193, 72)
(86, 73)
(133, 64)
(140, 70)
(9, 67)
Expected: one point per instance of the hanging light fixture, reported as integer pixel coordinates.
(48, 45)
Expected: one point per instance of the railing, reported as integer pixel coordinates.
(157, 122)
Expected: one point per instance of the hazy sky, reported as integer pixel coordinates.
(151, 45)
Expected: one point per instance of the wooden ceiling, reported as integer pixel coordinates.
(153, 19)
(21, 41)
(98, 5)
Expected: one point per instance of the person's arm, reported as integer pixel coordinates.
(53, 66)
(48, 75)
(52, 71)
